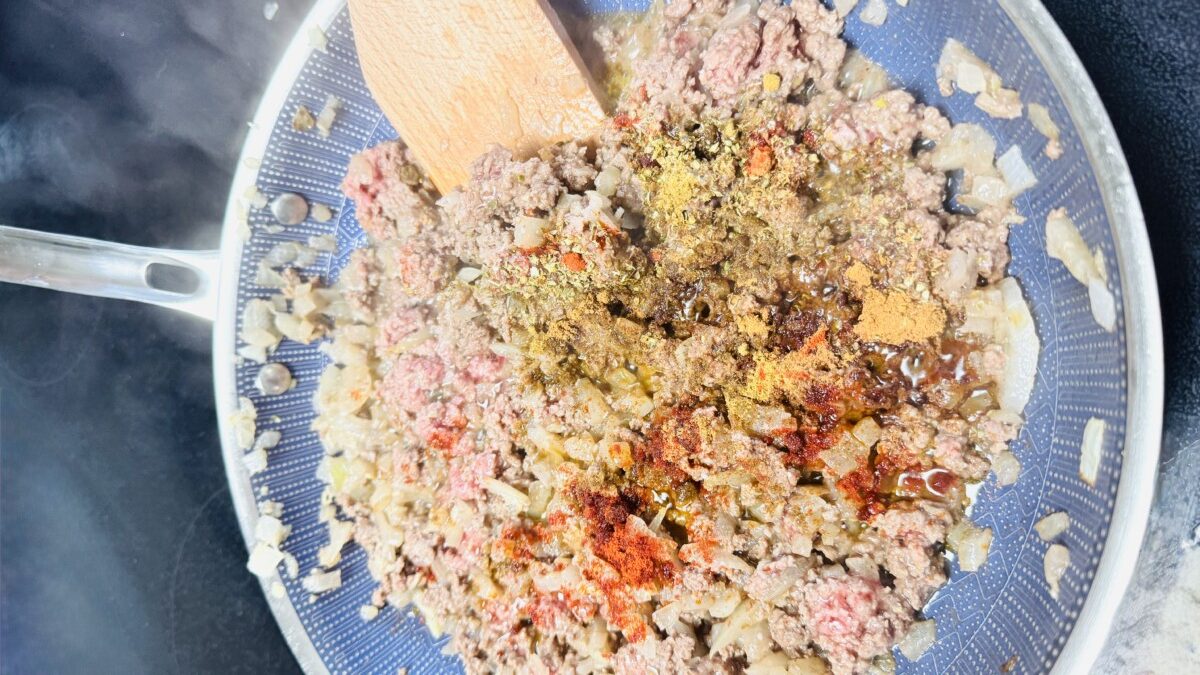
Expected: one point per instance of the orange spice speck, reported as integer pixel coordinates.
(574, 261)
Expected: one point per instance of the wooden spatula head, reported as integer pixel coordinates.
(457, 76)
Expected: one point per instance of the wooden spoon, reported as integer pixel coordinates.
(457, 76)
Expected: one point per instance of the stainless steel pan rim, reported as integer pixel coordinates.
(126, 268)
(1143, 323)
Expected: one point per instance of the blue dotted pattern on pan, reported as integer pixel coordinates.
(983, 618)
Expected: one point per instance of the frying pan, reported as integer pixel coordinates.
(985, 618)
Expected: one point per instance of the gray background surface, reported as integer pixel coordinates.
(122, 119)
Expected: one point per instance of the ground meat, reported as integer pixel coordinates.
(728, 58)
(986, 244)
(850, 619)
(607, 407)
(388, 191)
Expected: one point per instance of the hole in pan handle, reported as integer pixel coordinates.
(180, 280)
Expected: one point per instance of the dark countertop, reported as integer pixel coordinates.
(119, 550)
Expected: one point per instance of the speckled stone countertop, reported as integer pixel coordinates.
(122, 119)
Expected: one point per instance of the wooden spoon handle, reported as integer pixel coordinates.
(457, 76)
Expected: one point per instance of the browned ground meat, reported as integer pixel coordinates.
(704, 395)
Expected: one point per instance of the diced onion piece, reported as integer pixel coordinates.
(970, 78)
(781, 583)
(1016, 172)
(919, 638)
(317, 39)
(1065, 243)
(268, 439)
(1055, 564)
(1103, 304)
(971, 544)
(1007, 468)
(328, 114)
(861, 77)
(1052, 525)
(867, 431)
(255, 461)
(967, 146)
(553, 581)
(874, 13)
(515, 498)
(724, 633)
(726, 559)
(863, 567)
(844, 7)
(264, 558)
(368, 612)
(320, 582)
(1091, 449)
(291, 566)
(243, 423)
(469, 274)
(608, 180)
(1040, 117)
(252, 353)
(1021, 348)
(271, 530)
(529, 232)
(844, 457)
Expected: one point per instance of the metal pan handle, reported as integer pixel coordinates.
(181, 280)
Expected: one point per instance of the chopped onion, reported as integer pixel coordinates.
(971, 544)
(722, 601)
(782, 582)
(317, 39)
(1055, 564)
(867, 431)
(320, 582)
(469, 274)
(1016, 172)
(959, 68)
(724, 633)
(555, 580)
(1065, 243)
(243, 423)
(608, 180)
(1052, 525)
(1021, 348)
(515, 498)
(844, 457)
(271, 530)
(737, 14)
(264, 558)
(874, 13)
(1007, 468)
(731, 561)
(919, 638)
(967, 146)
(529, 232)
(970, 78)
(368, 612)
(1103, 305)
(1091, 449)
(291, 566)
(844, 7)
(861, 77)
(255, 461)
(1040, 117)
(328, 114)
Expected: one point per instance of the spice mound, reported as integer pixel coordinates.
(703, 396)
